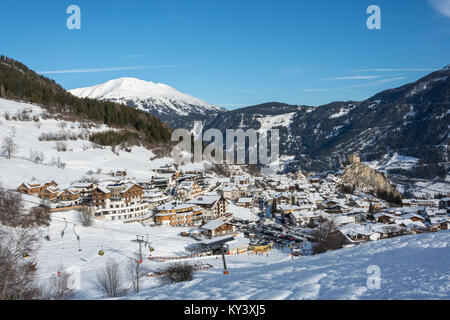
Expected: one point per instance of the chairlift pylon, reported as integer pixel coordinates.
(78, 237)
(62, 233)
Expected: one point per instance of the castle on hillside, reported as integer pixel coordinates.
(353, 158)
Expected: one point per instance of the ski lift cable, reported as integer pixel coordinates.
(116, 250)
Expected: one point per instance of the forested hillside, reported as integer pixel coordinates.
(18, 82)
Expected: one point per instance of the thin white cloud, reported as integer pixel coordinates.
(441, 6)
(353, 78)
(111, 69)
(375, 83)
(394, 69)
(359, 85)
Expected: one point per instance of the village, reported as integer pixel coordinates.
(244, 212)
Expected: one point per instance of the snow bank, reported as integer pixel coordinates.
(412, 267)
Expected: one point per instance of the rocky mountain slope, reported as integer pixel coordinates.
(366, 179)
(412, 120)
(168, 104)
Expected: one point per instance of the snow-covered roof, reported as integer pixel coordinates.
(412, 215)
(286, 207)
(81, 185)
(410, 224)
(341, 220)
(31, 185)
(384, 214)
(153, 194)
(238, 242)
(353, 229)
(229, 189)
(305, 214)
(103, 189)
(438, 220)
(213, 224)
(173, 206)
(382, 228)
(205, 200)
(128, 187)
(225, 239)
(241, 213)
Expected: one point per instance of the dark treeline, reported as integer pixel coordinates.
(424, 171)
(114, 138)
(19, 82)
(390, 197)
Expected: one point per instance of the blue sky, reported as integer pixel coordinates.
(233, 53)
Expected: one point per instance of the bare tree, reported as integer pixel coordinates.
(390, 229)
(57, 288)
(13, 132)
(11, 208)
(58, 163)
(110, 280)
(134, 274)
(17, 267)
(9, 147)
(13, 213)
(37, 156)
(86, 217)
(327, 237)
(177, 272)
(61, 146)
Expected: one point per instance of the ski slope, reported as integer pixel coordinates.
(412, 267)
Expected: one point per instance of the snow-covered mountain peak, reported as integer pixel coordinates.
(133, 88)
(157, 98)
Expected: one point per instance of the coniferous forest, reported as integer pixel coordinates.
(20, 83)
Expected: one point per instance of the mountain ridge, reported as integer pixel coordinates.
(159, 99)
(411, 120)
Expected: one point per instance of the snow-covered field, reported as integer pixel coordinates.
(115, 239)
(411, 267)
(270, 122)
(419, 189)
(430, 188)
(81, 155)
(397, 161)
